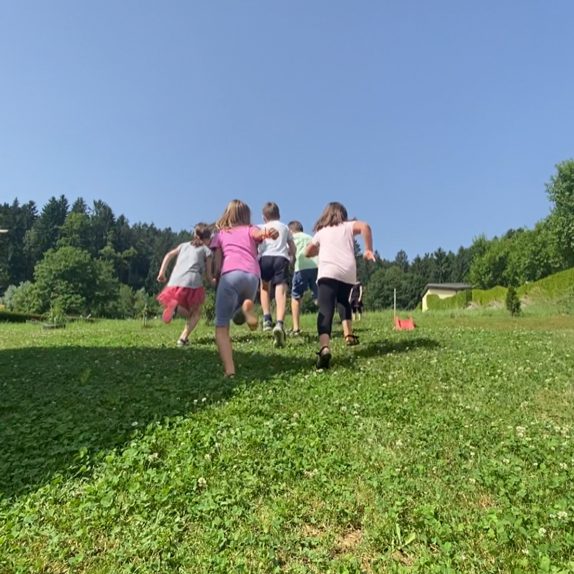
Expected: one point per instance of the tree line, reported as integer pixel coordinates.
(85, 259)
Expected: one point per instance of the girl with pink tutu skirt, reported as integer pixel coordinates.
(184, 294)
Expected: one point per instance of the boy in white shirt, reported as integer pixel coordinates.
(276, 255)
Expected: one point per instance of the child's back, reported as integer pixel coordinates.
(239, 249)
(276, 247)
(301, 240)
(190, 266)
(337, 252)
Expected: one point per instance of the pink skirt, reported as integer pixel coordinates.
(185, 297)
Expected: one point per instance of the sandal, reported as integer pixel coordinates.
(323, 358)
(351, 340)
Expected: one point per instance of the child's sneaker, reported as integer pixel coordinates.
(182, 342)
(268, 325)
(323, 359)
(278, 335)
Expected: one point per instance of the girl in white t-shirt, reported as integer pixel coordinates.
(334, 244)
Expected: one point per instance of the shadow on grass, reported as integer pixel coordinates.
(381, 348)
(392, 346)
(55, 402)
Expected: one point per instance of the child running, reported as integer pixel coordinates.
(235, 254)
(276, 255)
(356, 300)
(184, 293)
(333, 242)
(304, 276)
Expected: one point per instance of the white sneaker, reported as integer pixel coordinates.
(278, 336)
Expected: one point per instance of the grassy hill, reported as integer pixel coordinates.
(446, 449)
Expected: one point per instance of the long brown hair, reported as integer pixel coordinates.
(236, 213)
(333, 214)
(201, 232)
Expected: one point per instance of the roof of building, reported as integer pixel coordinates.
(447, 286)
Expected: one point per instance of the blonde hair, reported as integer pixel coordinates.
(333, 214)
(236, 213)
(201, 232)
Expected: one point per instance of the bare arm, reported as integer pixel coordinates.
(292, 250)
(164, 264)
(217, 262)
(209, 270)
(312, 250)
(262, 234)
(364, 229)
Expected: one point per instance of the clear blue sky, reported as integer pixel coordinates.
(433, 121)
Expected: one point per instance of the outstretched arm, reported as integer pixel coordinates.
(364, 229)
(164, 264)
(312, 250)
(262, 234)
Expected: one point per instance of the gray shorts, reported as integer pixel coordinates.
(234, 288)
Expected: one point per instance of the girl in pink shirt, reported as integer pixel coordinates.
(334, 244)
(235, 261)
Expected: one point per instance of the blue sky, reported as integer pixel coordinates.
(433, 121)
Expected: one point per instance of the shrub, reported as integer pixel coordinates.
(209, 306)
(512, 301)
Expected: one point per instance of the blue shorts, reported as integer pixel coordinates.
(303, 280)
(234, 287)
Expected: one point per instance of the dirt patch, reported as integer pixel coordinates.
(348, 541)
(403, 558)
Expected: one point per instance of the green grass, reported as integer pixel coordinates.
(446, 449)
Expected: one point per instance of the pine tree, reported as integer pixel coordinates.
(512, 301)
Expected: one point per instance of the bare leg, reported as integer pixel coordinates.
(250, 316)
(265, 299)
(295, 312)
(280, 300)
(182, 312)
(347, 328)
(223, 341)
(190, 324)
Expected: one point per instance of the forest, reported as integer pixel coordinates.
(87, 260)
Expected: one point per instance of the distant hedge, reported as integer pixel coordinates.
(458, 301)
(552, 288)
(9, 317)
(488, 296)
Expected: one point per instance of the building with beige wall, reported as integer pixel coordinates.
(443, 290)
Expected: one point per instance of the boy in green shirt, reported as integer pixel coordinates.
(305, 275)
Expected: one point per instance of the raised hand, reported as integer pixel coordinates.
(368, 255)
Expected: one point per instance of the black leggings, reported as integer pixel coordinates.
(332, 293)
